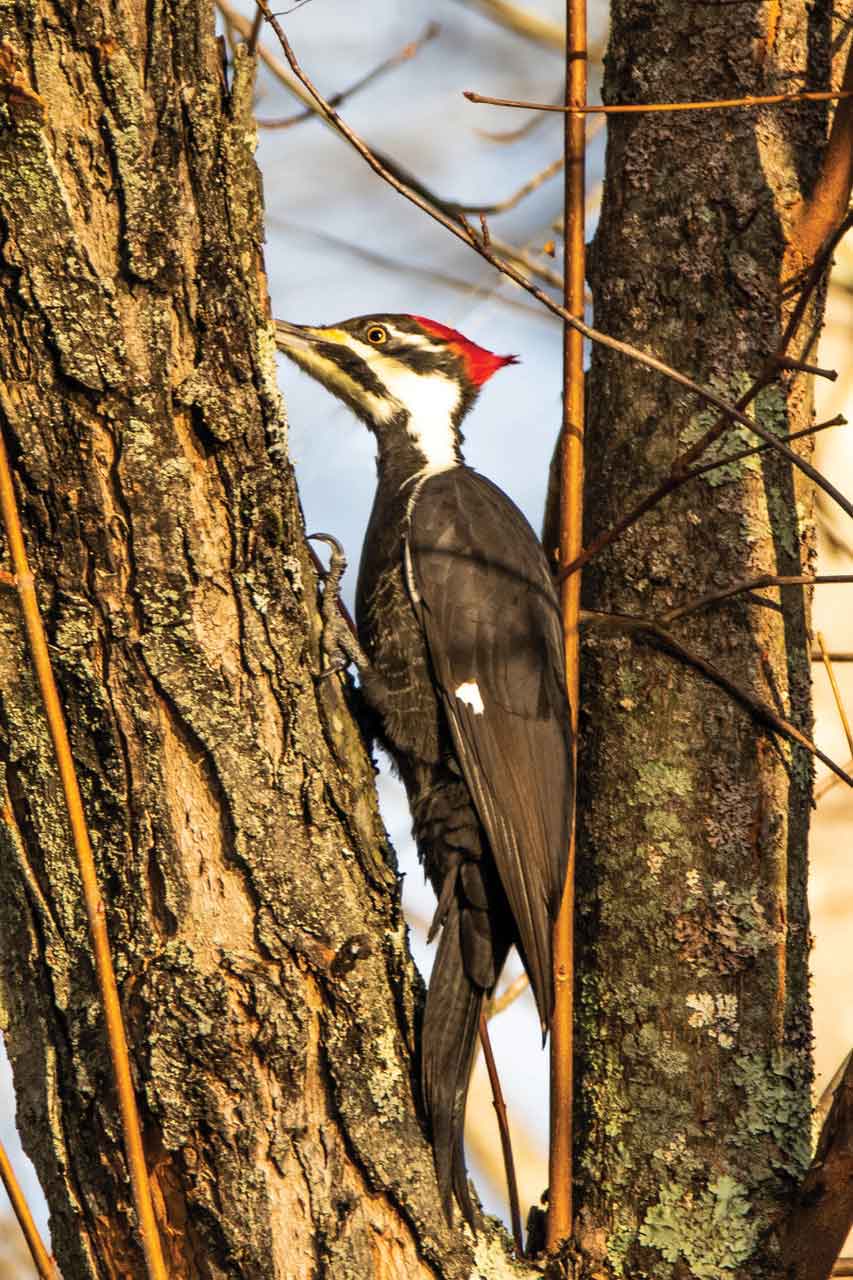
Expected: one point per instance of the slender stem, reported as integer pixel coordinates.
(650, 631)
(506, 1144)
(507, 997)
(752, 584)
(740, 454)
(338, 99)
(643, 108)
(91, 892)
(836, 692)
(44, 1263)
(832, 780)
(560, 1164)
(800, 366)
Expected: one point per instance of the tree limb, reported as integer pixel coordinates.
(818, 1224)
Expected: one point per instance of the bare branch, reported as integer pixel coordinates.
(397, 59)
(751, 584)
(799, 366)
(523, 23)
(396, 265)
(42, 1260)
(526, 189)
(506, 1142)
(508, 996)
(821, 788)
(822, 1215)
(645, 108)
(652, 632)
(836, 692)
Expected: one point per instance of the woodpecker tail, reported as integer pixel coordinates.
(451, 1020)
(469, 960)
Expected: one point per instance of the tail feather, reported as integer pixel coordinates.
(451, 1020)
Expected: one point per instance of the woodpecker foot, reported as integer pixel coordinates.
(339, 644)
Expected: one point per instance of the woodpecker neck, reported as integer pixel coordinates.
(421, 433)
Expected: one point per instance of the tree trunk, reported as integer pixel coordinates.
(694, 1021)
(253, 901)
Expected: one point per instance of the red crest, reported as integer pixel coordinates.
(479, 363)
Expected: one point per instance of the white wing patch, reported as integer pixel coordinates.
(469, 693)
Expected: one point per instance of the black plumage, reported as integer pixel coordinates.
(460, 625)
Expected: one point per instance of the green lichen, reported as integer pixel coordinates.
(712, 1230)
(654, 779)
(776, 1104)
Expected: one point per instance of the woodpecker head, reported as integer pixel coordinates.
(409, 379)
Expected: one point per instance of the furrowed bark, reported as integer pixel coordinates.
(693, 1030)
(252, 898)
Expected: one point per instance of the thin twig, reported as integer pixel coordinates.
(505, 136)
(521, 22)
(642, 108)
(507, 997)
(252, 38)
(397, 59)
(739, 455)
(560, 1154)
(506, 1142)
(397, 265)
(531, 264)
(821, 788)
(460, 228)
(752, 584)
(526, 189)
(43, 1262)
(799, 366)
(95, 910)
(654, 633)
(834, 656)
(836, 692)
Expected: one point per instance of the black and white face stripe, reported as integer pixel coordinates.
(398, 379)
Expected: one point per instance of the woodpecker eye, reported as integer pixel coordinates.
(377, 335)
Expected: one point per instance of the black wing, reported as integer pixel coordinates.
(480, 583)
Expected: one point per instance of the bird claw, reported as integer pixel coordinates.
(338, 560)
(338, 644)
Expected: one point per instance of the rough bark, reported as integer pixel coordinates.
(253, 901)
(694, 1022)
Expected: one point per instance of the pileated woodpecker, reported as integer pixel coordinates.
(462, 660)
